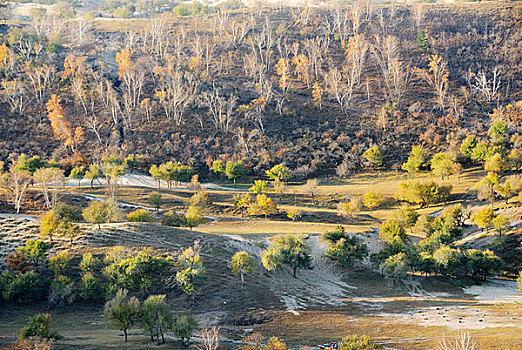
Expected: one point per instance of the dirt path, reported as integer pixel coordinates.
(321, 285)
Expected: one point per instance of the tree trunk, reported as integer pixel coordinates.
(125, 334)
(92, 183)
(242, 279)
(295, 272)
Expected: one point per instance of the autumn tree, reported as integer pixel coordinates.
(437, 77)
(122, 312)
(374, 156)
(241, 264)
(443, 164)
(78, 173)
(415, 160)
(62, 128)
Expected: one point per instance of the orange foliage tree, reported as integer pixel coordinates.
(62, 128)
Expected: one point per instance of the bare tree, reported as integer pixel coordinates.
(49, 179)
(396, 74)
(176, 90)
(39, 79)
(209, 339)
(417, 13)
(486, 83)
(18, 183)
(14, 93)
(222, 109)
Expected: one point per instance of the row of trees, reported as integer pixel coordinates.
(435, 253)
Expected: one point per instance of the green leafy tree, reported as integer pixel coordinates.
(444, 165)
(500, 224)
(34, 250)
(407, 217)
(218, 166)
(486, 187)
(98, 212)
(468, 146)
(78, 173)
(24, 288)
(415, 160)
(258, 187)
(235, 170)
(395, 267)
(134, 162)
(344, 249)
(89, 263)
(155, 172)
(374, 156)
(264, 205)
(390, 230)
(447, 260)
(122, 312)
(499, 133)
(90, 288)
(294, 252)
(279, 171)
(483, 263)
(184, 327)
(192, 274)
(156, 317)
(193, 217)
(93, 173)
(241, 264)
(39, 326)
(272, 258)
(424, 193)
(483, 218)
(140, 215)
(496, 163)
(422, 40)
(480, 152)
(141, 271)
(155, 199)
(59, 262)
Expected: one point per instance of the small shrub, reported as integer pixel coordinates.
(58, 263)
(90, 288)
(62, 291)
(89, 263)
(184, 327)
(140, 215)
(39, 326)
(172, 219)
(24, 288)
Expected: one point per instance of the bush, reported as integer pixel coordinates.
(90, 288)
(141, 271)
(140, 215)
(62, 291)
(39, 326)
(200, 200)
(354, 342)
(24, 288)
(98, 212)
(172, 219)
(34, 250)
(58, 263)
(89, 263)
(184, 327)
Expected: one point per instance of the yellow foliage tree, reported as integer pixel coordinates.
(125, 65)
(62, 128)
